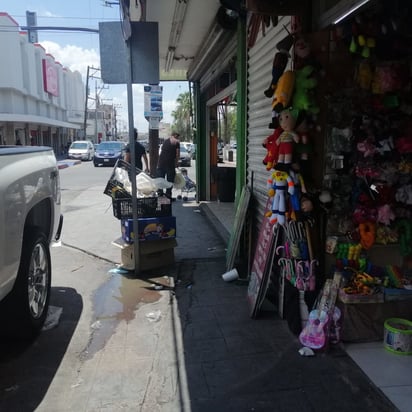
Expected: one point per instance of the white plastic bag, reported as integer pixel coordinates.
(145, 184)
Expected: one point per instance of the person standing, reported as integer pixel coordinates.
(140, 153)
(168, 160)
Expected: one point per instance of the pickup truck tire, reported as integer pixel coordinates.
(27, 304)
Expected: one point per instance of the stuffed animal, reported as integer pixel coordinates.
(284, 91)
(286, 140)
(303, 94)
(272, 148)
(279, 182)
(279, 65)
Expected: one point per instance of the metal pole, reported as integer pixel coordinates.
(132, 156)
(85, 105)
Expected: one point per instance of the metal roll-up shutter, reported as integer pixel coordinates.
(220, 64)
(259, 110)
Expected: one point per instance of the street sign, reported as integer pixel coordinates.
(153, 96)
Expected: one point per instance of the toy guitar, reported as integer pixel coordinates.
(313, 335)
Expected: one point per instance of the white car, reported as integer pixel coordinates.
(82, 150)
(185, 157)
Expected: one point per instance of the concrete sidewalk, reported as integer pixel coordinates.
(234, 363)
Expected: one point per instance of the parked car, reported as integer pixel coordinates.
(108, 153)
(82, 150)
(30, 221)
(185, 157)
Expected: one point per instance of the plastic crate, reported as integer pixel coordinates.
(146, 207)
(114, 188)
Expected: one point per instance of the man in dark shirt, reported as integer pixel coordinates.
(168, 160)
(140, 153)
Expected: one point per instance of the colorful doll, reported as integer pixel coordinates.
(285, 142)
(279, 182)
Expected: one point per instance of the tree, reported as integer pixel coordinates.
(182, 116)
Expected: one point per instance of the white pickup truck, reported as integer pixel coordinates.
(30, 220)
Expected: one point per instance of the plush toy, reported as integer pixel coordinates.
(284, 91)
(272, 148)
(279, 182)
(303, 92)
(286, 140)
(280, 62)
(279, 65)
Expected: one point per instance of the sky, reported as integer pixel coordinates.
(78, 50)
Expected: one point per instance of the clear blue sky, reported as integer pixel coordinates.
(77, 50)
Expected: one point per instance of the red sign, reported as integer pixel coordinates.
(50, 79)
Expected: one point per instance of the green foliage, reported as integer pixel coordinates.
(182, 116)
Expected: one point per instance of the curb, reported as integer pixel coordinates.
(62, 164)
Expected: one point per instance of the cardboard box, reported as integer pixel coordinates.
(152, 255)
(149, 228)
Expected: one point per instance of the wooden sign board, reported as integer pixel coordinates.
(240, 218)
(262, 262)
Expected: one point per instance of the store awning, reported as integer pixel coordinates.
(27, 118)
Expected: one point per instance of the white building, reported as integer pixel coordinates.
(41, 102)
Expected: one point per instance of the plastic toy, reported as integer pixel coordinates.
(272, 148)
(279, 182)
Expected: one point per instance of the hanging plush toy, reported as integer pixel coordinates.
(284, 91)
(303, 98)
(286, 140)
(280, 62)
(279, 183)
(272, 148)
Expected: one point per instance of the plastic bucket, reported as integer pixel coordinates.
(398, 336)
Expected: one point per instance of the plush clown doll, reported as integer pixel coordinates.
(279, 183)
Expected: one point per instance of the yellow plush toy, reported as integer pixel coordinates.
(284, 91)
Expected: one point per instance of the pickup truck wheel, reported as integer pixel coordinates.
(29, 300)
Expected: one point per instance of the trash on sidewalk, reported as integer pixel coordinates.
(96, 325)
(231, 275)
(305, 351)
(154, 316)
(53, 316)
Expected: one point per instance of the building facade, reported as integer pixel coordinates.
(41, 102)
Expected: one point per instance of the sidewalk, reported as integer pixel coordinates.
(234, 363)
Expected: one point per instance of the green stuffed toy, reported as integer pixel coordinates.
(303, 98)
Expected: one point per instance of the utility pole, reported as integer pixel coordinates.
(86, 105)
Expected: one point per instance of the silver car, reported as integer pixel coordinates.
(81, 150)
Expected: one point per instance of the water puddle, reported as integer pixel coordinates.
(117, 300)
